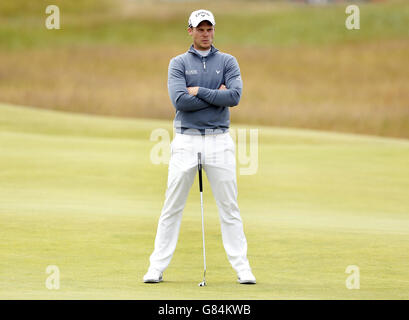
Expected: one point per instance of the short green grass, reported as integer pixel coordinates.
(80, 192)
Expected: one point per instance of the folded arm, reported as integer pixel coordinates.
(234, 85)
(178, 91)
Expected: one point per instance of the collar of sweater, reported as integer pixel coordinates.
(213, 50)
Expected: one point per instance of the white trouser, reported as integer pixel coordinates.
(219, 163)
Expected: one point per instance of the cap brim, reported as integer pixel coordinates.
(194, 25)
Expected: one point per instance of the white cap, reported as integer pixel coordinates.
(200, 15)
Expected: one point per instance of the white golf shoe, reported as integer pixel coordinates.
(153, 276)
(246, 277)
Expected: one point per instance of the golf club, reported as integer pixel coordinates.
(199, 167)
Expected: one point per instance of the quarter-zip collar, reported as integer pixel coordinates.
(213, 50)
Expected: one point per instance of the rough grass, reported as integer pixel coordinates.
(360, 88)
(301, 67)
(80, 192)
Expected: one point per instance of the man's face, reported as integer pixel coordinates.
(202, 35)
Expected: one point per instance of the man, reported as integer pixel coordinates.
(203, 83)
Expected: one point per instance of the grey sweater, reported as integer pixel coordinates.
(209, 109)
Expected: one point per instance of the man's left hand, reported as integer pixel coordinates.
(193, 90)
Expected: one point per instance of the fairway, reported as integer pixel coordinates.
(80, 192)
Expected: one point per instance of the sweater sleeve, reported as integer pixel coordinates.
(233, 83)
(180, 97)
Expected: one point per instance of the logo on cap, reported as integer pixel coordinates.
(202, 13)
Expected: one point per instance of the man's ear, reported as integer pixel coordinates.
(190, 30)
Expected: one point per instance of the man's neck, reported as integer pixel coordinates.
(202, 51)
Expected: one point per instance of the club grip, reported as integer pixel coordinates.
(199, 168)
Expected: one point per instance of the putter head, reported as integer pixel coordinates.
(202, 284)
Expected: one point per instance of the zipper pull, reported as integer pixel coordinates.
(204, 63)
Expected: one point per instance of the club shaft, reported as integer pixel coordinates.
(203, 237)
(199, 167)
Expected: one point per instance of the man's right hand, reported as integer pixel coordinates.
(222, 87)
